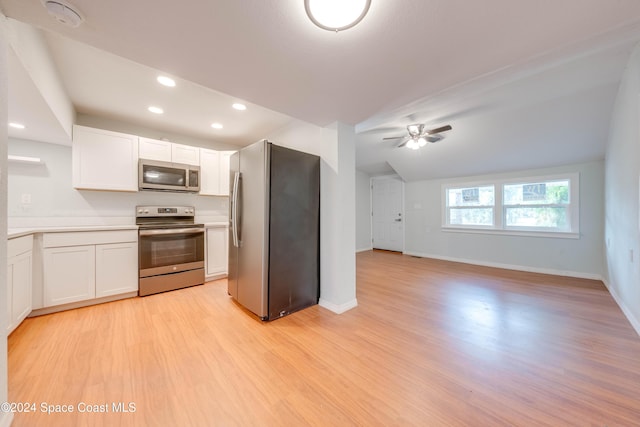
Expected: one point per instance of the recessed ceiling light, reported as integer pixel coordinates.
(166, 81)
(17, 125)
(156, 110)
(216, 126)
(240, 107)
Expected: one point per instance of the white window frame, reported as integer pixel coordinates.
(446, 209)
(499, 208)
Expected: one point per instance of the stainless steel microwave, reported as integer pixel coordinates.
(167, 176)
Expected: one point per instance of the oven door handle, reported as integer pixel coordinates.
(234, 210)
(171, 231)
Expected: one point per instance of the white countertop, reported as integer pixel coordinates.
(12, 233)
(18, 232)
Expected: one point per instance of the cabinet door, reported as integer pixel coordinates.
(185, 154)
(69, 274)
(21, 288)
(8, 320)
(209, 172)
(225, 156)
(216, 251)
(116, 269)
(104, 160)
(154, 149)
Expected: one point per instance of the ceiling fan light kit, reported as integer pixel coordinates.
(336, 15)
(419, 136)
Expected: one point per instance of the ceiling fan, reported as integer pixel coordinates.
(419, 136)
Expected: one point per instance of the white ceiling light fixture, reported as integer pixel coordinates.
(166, 81)
(17, 125)
(156, 110)
(239, 107)
(336, 15)
(217, 125)
(64, 12)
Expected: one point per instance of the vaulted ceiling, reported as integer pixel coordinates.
(524, 84)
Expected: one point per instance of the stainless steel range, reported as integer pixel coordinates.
(171, 248)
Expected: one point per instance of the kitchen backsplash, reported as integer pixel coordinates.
(42, 194)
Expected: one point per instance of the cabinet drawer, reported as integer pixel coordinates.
(19, 245)
(79, 238)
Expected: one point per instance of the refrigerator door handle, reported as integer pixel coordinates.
(234, 210)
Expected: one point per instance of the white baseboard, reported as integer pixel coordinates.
(370, 248)
(215, 277)
(566, 273)
(5, 419)
(635, 322)
(338, 308)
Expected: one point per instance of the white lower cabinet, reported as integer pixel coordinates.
(104, 265)
(217, 251)
(18, 289)
(19, 280)
(69, 274)
(116, 269)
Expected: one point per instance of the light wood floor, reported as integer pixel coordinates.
(432, 343)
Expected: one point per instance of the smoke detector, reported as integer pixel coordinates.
(63, 12)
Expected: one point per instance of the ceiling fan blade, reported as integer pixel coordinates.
(393, 137)
(440, 129)
(403, 143)
(434, 138)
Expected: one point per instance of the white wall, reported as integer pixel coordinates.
(363, 211)
(5, 418)
(622, 215)
(581, 257)
(335, 145)
(55, 202)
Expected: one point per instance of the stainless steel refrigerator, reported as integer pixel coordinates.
(274, 232)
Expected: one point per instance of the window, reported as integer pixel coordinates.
(471, 206)
(515, 206)
(537, 206)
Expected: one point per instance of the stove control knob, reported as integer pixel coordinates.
(146, 211)
(140, 211)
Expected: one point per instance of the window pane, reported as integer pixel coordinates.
(473, 216)
(537, 193)
(543, 217)
(471, 196)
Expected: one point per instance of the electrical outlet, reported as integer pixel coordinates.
(26, 199)
(631, 255)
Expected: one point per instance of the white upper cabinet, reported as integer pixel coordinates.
(165, 151)
(185, 154)
(104, 160)
(210, 177)
(225, 157)
(154, 149)
(214, 170)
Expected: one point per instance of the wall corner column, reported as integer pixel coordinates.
(337, 218)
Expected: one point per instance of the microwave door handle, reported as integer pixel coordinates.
(234, 210)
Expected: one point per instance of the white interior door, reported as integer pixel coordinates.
(388, 220)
